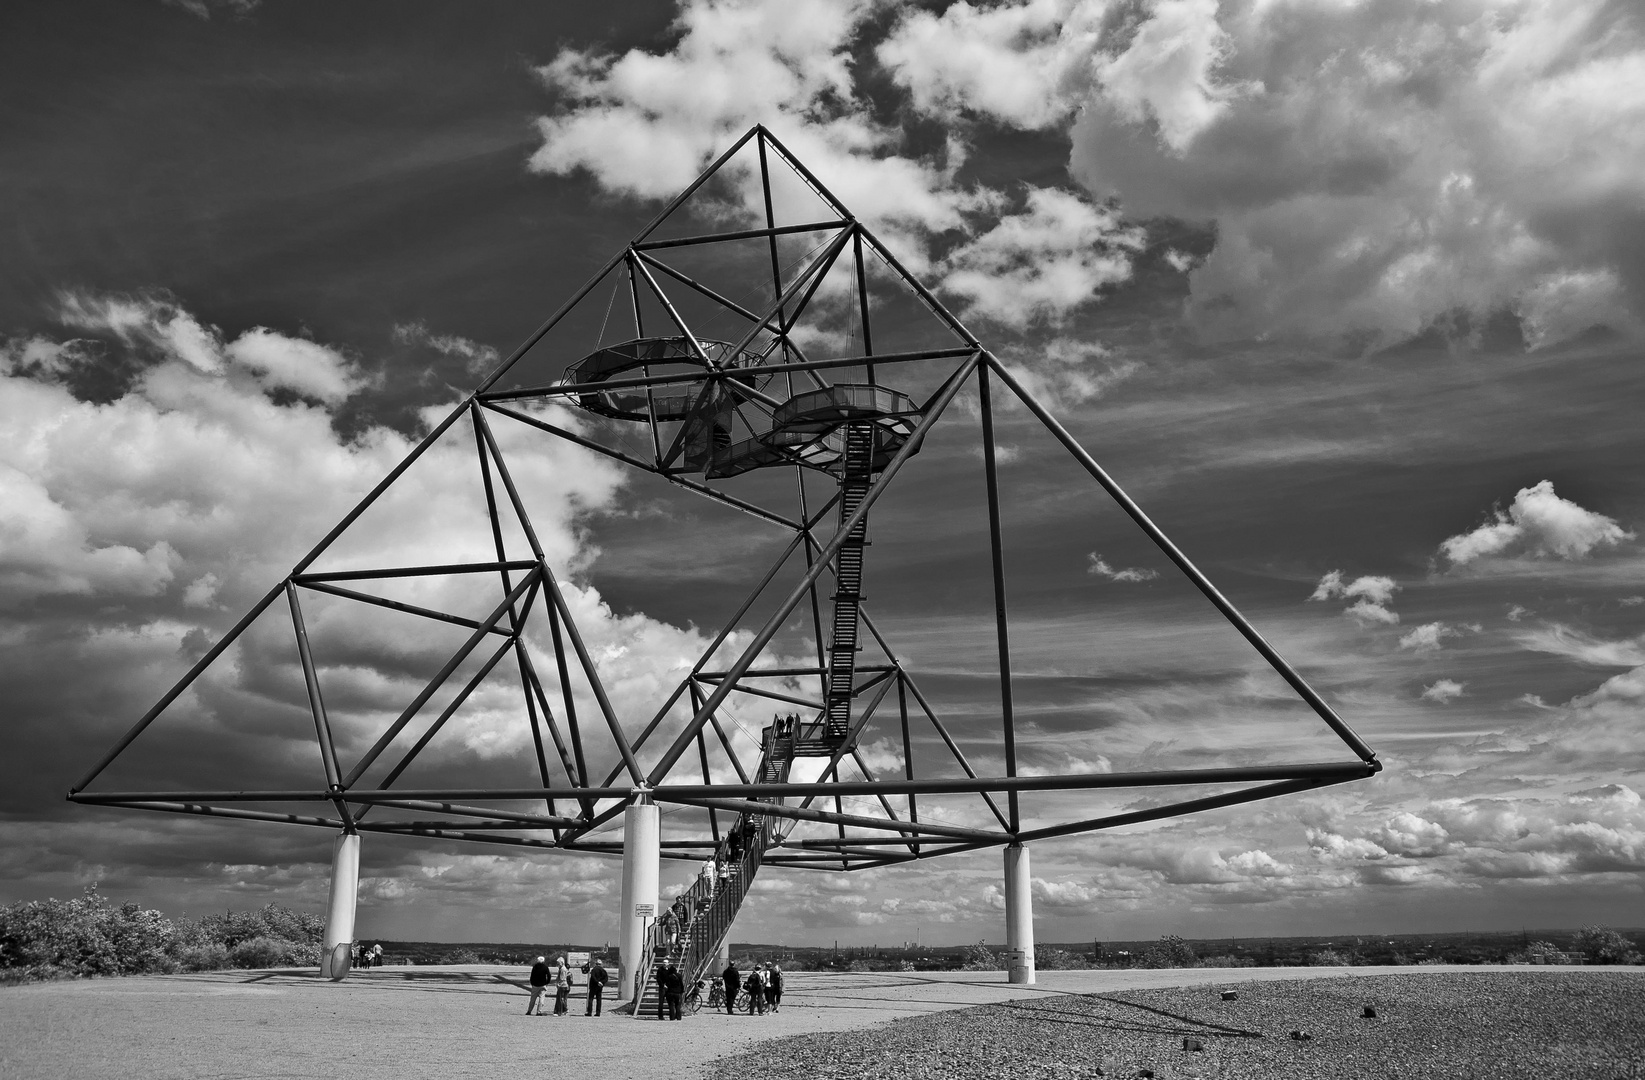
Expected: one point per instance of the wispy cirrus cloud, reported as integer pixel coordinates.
(1099, 566)
(1584, 648)
(477, 358)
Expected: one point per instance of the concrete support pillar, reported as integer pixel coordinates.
(345, 892)
(1019, 916)
(641, 855)
(723, 957)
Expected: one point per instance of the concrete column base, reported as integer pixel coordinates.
(642, 825)
(1019, 917)
(338, 956)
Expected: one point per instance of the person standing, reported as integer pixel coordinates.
(539, 983)
(733, 980)
(562, 986)
(756, 992)
(672, 985)
(597, 976)
(774, 986)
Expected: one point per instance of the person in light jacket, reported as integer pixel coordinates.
(562, 986)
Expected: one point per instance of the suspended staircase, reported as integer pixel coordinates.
(692, 931)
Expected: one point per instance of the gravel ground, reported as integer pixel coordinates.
(1452, 1025)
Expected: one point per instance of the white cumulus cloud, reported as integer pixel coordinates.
(1372, 596)
(1375, 168)
(1537, 524)
(1443, 691)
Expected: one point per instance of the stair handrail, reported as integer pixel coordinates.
(714, 900)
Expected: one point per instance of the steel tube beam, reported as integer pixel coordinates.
(1191, 806)
(787, 672)
(1326, 771)
(593, 676)
(203, 810)
(790, 699)
(692, 283)
(741, 234)
(566, 696)
(307, 580)
(798, 813)
(486, 813)
(395, 605)
(702, 178)
(177, 688)
(634, 382)
(1172, 552)
(446, 714)
(316, 703)
(1002, 625)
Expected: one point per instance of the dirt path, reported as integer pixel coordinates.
(409, 1023)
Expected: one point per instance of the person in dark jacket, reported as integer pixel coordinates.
(774, 986)
(597, 978)
(733, 980)
(756, 992)
(539, 985)
(672, 985)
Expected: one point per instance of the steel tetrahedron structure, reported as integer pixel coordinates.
(767, 366)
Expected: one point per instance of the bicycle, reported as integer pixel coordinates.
(694, 1000)
(716, 995)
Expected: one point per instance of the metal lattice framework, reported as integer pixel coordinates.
(713, 411)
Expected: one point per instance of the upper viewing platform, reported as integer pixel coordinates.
(811, 428)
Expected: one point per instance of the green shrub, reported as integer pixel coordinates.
(1329, 958)
(52, 939)
(84, 936)
(267, 952)
(1169, 951)
(1225, 962)
(206, 956)
(980, 957)
(1539, 952)
(1602, 945)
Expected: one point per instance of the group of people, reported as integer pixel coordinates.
(559, 976)
(367, 955)
(764, 986)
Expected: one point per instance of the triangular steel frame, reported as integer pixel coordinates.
(574, 812)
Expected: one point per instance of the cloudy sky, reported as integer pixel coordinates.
(1348, 295)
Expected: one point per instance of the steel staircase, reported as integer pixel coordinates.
(857, 470)
(710, 905)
